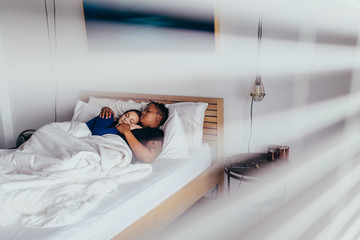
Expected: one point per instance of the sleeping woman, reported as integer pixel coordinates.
(105, 122)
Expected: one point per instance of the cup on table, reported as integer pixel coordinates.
(273, 152)
(284, 152)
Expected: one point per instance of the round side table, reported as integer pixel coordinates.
(248, 167)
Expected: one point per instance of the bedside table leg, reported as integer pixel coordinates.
(228, 183)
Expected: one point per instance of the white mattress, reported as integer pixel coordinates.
(125, 206)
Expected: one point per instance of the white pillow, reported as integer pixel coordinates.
(84, 112)
(192, 117)
(118, 106)
(175, 144)
(143, 105)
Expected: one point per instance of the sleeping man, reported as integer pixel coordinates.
(146, 142)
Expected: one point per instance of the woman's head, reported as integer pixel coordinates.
(130, 117)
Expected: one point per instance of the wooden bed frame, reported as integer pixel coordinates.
(171, 208)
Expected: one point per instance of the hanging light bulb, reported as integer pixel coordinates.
(258, 91)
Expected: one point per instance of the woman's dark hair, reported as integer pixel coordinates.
(133, 110)
(162, 111)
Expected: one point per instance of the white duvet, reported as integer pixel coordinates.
(61, 173)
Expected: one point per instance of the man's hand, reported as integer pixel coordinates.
(123, 128)
(106, 112)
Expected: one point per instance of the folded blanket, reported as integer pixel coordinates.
(61, 173)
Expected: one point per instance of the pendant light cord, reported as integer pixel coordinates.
(252, 99)
(53, 55)
(259, 43)
(251, 120)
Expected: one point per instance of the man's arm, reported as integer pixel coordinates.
(146, 153)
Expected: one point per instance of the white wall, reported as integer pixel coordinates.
(26, 74)
(297, 68)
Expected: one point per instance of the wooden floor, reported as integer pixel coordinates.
(206, 204)
(199, 208)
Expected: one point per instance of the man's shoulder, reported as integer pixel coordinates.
(153, 130)
(149, 131)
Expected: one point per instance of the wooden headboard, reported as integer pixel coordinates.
(213, 128)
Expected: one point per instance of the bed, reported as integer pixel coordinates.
(105, 222)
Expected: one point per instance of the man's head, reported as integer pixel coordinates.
(154, 115)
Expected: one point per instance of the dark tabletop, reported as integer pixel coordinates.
(248, 164)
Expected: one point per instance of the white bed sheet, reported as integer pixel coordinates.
(117, 211)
